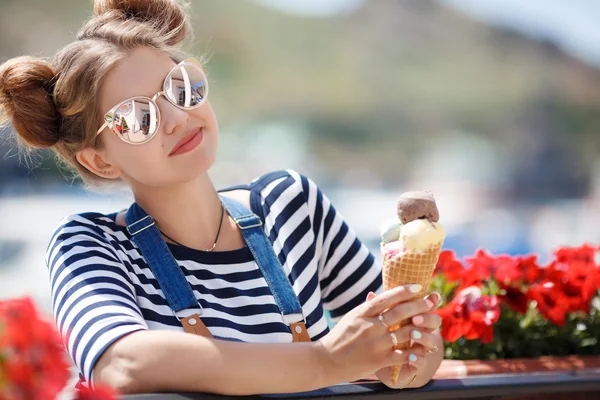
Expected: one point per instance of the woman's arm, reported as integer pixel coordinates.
(155, 361)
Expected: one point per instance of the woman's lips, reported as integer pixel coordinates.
(188, 143)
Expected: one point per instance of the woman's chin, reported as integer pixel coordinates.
(193, 170)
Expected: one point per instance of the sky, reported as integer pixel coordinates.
(313, 8)
(571, 24)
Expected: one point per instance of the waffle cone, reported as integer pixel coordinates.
(409, 268)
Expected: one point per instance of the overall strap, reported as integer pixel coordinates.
(252, 230)
(167, 272)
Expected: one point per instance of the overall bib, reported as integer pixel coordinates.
(177, 289)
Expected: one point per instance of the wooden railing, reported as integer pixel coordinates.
(573, 385)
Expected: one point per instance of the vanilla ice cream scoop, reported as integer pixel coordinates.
(421, 234)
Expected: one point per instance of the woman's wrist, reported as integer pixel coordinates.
(323, 366)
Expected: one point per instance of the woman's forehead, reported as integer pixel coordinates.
(141, 73)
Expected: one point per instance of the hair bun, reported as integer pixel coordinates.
(26, 100)
(169, 16)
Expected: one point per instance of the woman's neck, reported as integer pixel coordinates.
(189, 213)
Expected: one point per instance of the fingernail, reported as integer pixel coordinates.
(418, 320)
(399, 288)
(429, 303)
(416, 335)
(412, 358)
(437, 296)
(416, 288)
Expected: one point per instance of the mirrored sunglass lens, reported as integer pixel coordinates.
(136, 120)
(186, 86)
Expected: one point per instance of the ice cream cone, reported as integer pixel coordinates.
(409, 267)
(411, 247)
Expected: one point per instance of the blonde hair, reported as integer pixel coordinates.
(52, 104)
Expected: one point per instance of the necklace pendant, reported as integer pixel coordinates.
(212, 248)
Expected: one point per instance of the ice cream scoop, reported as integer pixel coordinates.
(390, 230)
(421, 234)
(417, 205)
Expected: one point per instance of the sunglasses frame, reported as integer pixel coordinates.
(108, 117)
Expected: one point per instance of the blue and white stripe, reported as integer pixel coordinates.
(102, 289)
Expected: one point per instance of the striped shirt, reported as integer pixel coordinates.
(102, 289)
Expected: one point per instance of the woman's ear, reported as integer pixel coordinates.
(93, 161)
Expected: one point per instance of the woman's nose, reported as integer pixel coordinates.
(172, 117)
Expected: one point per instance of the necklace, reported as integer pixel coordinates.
(216, 238)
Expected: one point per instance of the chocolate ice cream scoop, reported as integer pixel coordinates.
(417, 205)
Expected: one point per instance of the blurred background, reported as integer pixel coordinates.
(493, 105)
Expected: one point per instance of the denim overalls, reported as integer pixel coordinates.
(178, 291)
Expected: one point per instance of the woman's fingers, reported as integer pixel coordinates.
(428, 321)
(414, 356)
(409, 332)
(407, 310)
(435, 298)
(360, 342)
(390, 298)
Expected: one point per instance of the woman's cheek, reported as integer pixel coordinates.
(143, 163)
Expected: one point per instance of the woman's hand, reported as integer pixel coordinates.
(426, 352)
(361, 344)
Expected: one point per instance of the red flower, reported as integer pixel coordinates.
(483, 266)
(574, 281)
(529, 268)
(34, 363)
(506, 269)
(551, 301)
(98, 393)
(591, 285)
(470, 315)
(450, 266)
(577, 276)
(480, 266)
(555, 272)
(514, 297)
(585, 253)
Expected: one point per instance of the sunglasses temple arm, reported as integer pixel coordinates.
(104, 125)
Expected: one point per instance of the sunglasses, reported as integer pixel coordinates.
(136, 120)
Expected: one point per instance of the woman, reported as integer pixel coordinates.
(184, 291)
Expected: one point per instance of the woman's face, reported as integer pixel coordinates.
(154, 163)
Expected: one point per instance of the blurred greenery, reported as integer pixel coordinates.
(579, 336)
(373, 88)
